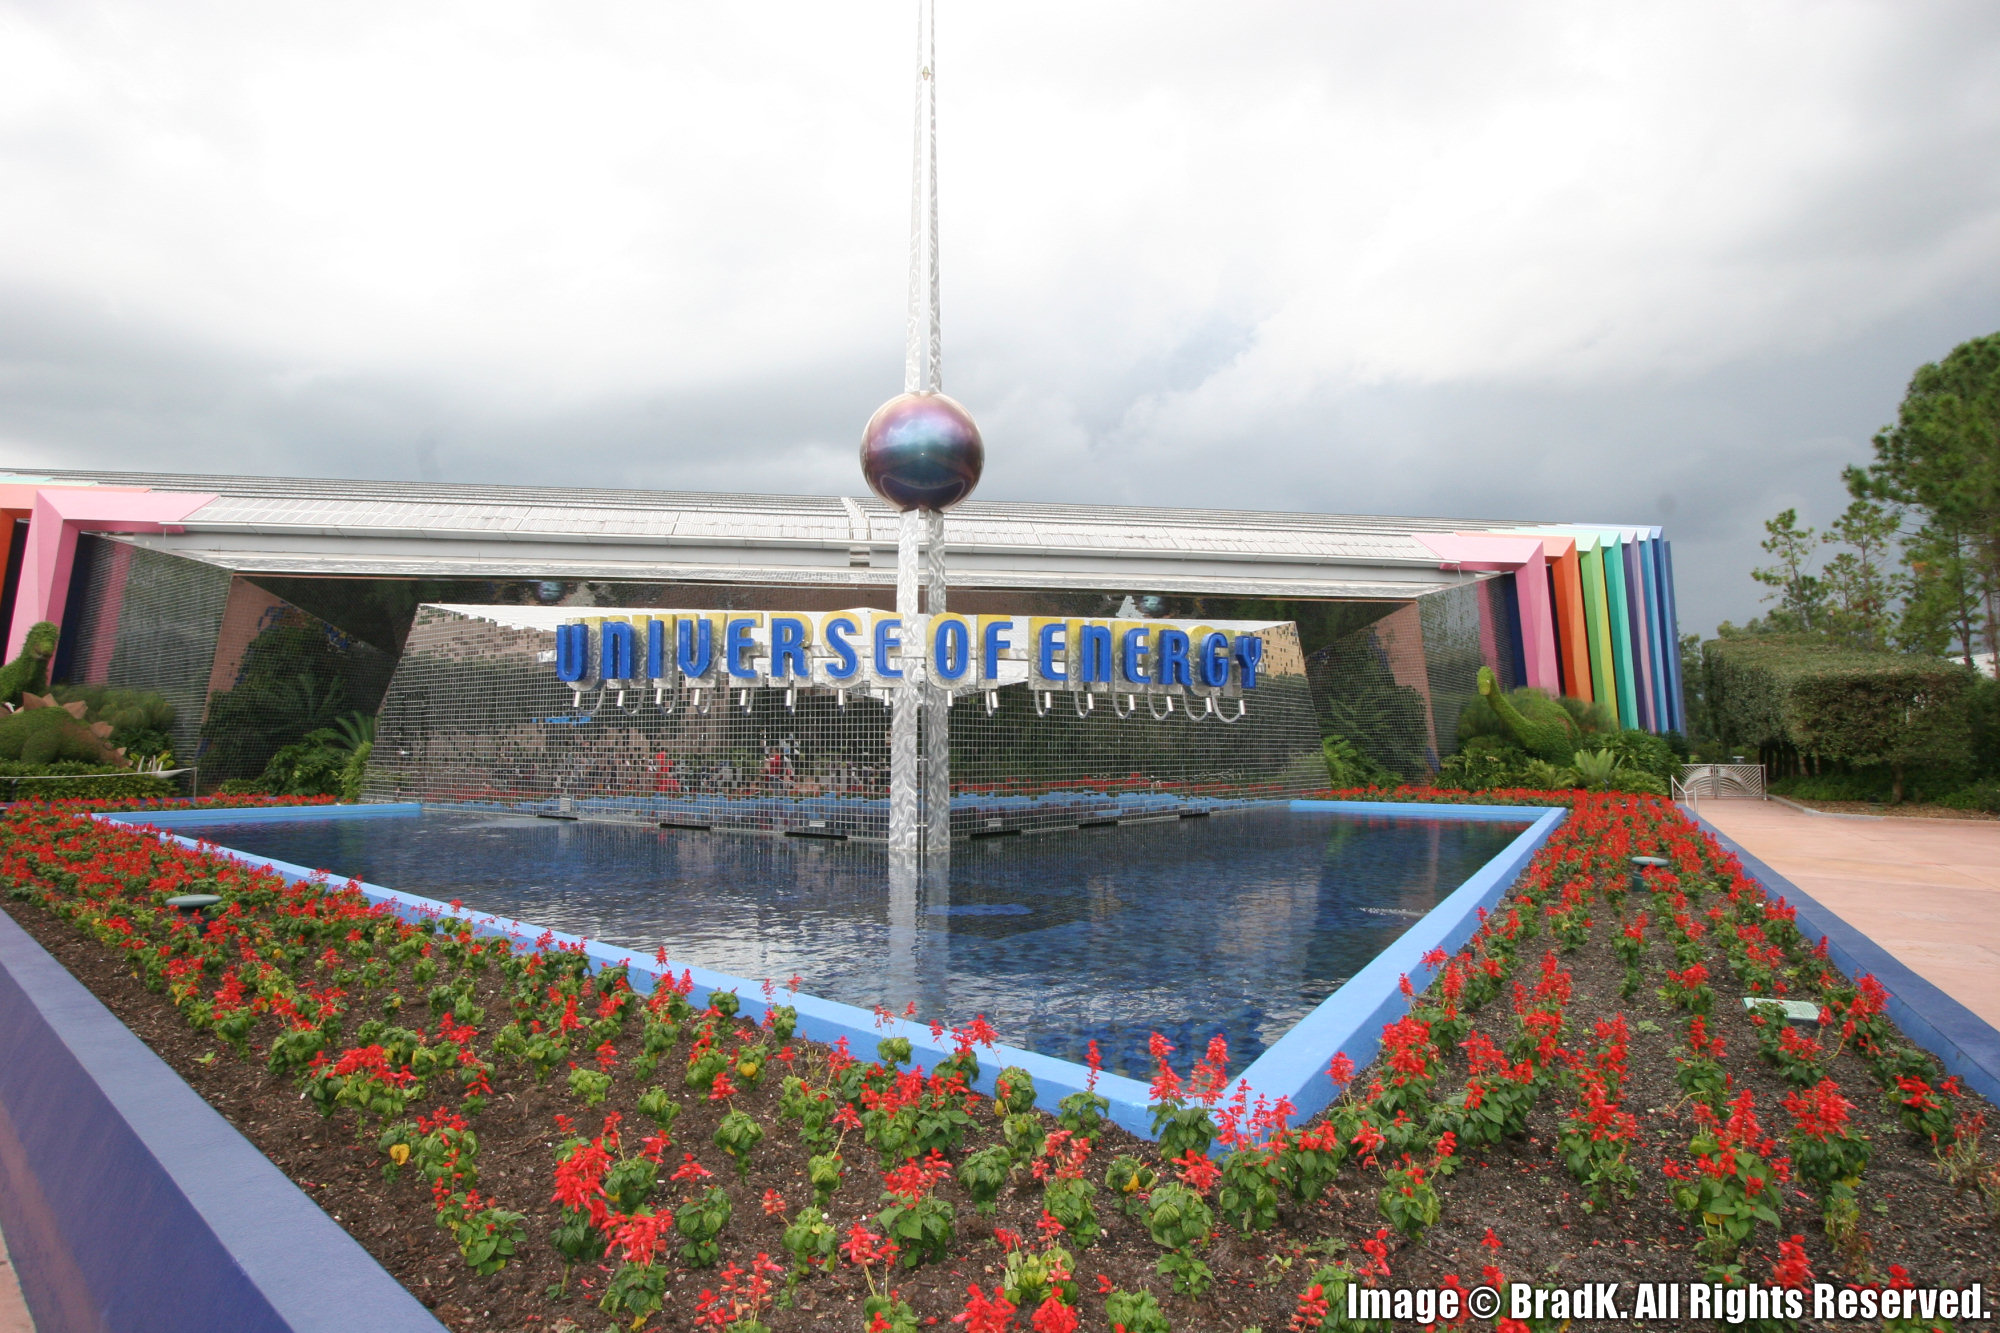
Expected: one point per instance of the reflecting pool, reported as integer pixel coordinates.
(1238, 923)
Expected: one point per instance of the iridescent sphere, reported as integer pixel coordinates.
(921, 451)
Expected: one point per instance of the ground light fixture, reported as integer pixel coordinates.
(1640, 865)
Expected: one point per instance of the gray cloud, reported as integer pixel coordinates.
(1549, 261)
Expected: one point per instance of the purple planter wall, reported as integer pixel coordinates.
(130, 1204)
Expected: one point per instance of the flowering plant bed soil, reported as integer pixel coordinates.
(1579, 1095)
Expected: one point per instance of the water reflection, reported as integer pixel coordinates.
(1238, 923)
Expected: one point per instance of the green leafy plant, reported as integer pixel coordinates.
(812, 1241)
(700, 1223)
(1032, 1277)
(1178, 1220)
(629, 1182)
(1083, 1113)
(1248, 1195)
(1070, 1201)
(1409, 1201)
(487, 1236)
(1131, 1180)
(1598, 769)
(638, 1290)
(661, 1109)
(1180, 1130)
(1013, 1092)
(1596, 1142)
(823, 1173)
(738, 1135)
(984, 1174)
(1308, 1161)
(1023, 1134)
(592, 1085)
(1732, 1187)
(1135, 1312)
(921, 1227)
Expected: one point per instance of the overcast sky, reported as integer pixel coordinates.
(1613, 263)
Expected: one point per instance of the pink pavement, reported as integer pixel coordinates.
(13, 1310)
(1926, 890)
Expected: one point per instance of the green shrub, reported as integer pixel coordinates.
(140, 719)
(1347, 766)
(354, 770)
(1861, 785)
(1847, 705)
(1598, 769)
(1483, 762)
(68, 781)
(1640, 751)
(311, 766)
(1979, 796)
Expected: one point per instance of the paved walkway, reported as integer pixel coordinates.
(1926, 890)
(13, 1313)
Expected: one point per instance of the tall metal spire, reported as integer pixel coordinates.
(922, 453)
(923, 355)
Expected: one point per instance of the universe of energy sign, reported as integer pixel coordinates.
(871, 650)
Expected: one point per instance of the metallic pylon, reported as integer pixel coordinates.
(906, 703)
(937, 708)
(923, 350)
(920, 790)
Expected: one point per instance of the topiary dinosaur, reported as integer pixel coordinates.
(43, 732)
(30, 671)
(1539, 724)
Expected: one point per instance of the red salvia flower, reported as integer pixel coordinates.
(1052, 1316)
(689, 1169)
(983, 1313)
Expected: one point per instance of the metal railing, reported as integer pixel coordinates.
(1741, 781)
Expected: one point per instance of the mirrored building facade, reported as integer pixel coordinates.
(262, 608)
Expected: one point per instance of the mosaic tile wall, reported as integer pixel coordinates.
(476, 716)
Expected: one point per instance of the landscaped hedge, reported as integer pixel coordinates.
(1839, 704)
(153, 800)
(1452, 796)
(112, 784)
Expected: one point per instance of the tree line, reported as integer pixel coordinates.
(1915, 563)
(1859, 682)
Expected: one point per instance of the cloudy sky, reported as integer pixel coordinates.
(1622, 263)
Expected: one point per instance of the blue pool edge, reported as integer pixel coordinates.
(1350, 1021)
(1294, 1067)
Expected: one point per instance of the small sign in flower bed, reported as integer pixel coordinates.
(1580, 1095)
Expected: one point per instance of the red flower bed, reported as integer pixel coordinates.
(1577, 1095)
